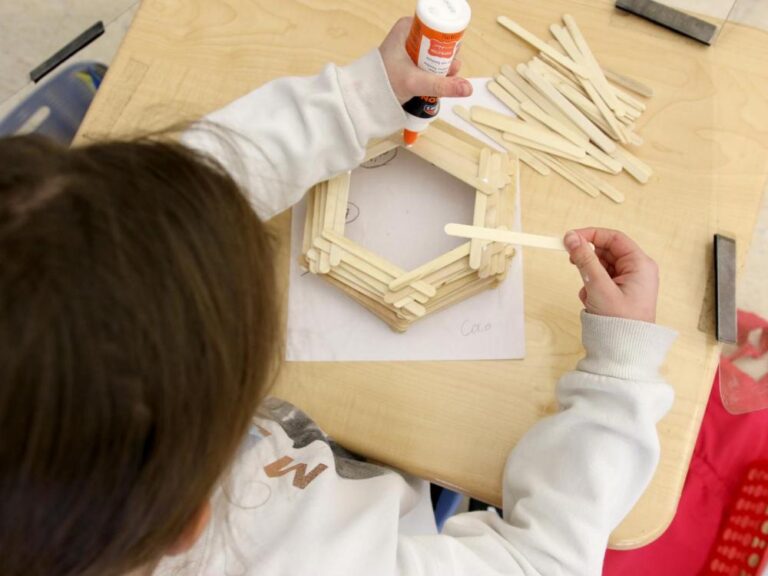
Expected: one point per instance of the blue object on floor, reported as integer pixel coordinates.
(447, 503)
(57, 108)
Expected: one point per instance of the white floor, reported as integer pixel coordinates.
(32, 30)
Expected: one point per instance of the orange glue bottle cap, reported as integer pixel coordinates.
(410, 137)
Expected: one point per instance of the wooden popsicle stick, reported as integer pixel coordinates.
(385, 313)
(633, 137)
(457, 133)
(522, 85)
(614, 130)
(601, 84)
(638, 169)
(497, 177)
(352, 260)
(448, 137)
(453, 164)
(595, 157)
(574, 92)
(312, 259)
(354, 277)
(439, 150)
(553, 123)
(524, 155)
(324, 266)
(321, 264)
(630, 101)
(506, 236)
(569, 175)
(341, 187)
(377, 285)
(499, 259)
(484, 166)
(565, 106)
(354, 282)
(455, 289)
(584, 104)
(513, 103)
(403, 302)
(505, 97)
(504, 169)
(604, 187)
(597, 92)
(554, 72)
(448, 273)
(462, 294)
(542, 46)
(392, 297)
(516, 127)
(600, 94)
(491, 221)
(316, 214)
(632, 114)
(430, 267)
(504, 81)
(591, 162)
(460, 267)
(540, 147)
(629, 83)
(341, 183)
(456, 276)
(494, 257)
(329, 214)
(496, 136)
(321, 244)
(306, 240)
(372, 264)
(379, 147)
(416, 309)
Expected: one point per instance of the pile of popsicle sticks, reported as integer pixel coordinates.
(401, 297)
(568, 117)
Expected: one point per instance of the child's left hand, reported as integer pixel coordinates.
(407, 79)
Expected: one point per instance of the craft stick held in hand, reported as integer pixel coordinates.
(519, 238)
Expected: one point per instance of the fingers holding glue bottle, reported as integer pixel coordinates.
(432, 41)
(619, 278)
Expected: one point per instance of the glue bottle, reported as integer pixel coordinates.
(432, 43)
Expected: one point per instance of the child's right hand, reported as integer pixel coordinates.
(619, 278)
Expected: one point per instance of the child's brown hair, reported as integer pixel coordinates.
(138, 330)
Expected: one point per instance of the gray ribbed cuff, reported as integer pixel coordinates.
(368, 96)
(621, 348)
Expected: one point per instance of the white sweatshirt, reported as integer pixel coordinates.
(296, 504)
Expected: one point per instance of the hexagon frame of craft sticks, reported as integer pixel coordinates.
(400, 297)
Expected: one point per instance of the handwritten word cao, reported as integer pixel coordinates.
(469, 328)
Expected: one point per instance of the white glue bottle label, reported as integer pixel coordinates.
(432, 43)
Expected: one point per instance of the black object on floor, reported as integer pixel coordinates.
(475, 505)
(70, 49)
(725, 288)
(670, 18)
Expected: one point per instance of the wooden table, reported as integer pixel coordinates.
(455, 422)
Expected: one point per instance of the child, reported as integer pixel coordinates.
(138, 336)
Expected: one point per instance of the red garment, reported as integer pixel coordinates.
(724, 449)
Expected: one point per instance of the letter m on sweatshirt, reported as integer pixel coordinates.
(301, 479)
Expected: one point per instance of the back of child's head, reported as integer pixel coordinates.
(138, 328)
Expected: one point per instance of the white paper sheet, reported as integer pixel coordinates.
(398, 210)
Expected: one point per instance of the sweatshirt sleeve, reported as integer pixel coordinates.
(575, 475)
(291, 133)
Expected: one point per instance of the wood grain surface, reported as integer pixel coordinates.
(455, 422)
